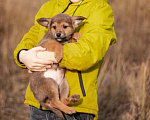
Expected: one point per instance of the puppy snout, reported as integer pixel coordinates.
(58, 34)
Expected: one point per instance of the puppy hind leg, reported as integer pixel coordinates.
(47, 92)
(61, 106)
(64, 92)
(53, 100)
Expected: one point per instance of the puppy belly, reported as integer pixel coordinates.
(54, 74)
(50, 74)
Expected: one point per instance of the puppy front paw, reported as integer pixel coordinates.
(58, 52)
(75, 37)
(58, 58)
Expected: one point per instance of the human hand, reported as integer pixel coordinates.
(47, 55)
(32, 62)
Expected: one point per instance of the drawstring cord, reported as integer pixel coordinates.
(75, 9)
(67, 7)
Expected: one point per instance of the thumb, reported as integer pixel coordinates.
(39, 48)
(29, 71)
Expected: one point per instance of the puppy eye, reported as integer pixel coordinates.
(64, 26)
(54, 27)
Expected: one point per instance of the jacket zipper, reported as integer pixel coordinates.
(81, 84)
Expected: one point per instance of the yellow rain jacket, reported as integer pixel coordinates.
(84, 58)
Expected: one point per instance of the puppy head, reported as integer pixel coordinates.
(61, 26)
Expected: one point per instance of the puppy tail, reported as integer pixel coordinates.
(59, 113)
(56, 111)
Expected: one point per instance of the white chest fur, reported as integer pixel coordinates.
(56, 75)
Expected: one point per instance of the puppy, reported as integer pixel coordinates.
(50, 88)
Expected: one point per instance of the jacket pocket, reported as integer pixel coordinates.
(81, 84)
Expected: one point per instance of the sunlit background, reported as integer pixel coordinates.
(124, 82)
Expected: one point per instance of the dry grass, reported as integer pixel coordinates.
(124, 82)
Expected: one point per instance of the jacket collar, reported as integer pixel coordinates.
(66, 2)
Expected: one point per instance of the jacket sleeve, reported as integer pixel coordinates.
(97, 34)
(29, 40)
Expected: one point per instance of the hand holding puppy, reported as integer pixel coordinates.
(34, 62)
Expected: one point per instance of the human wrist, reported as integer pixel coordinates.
(20, 55)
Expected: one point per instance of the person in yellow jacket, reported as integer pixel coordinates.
(83, 59)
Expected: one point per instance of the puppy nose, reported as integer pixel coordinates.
(58, 34)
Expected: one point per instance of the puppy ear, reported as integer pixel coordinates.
(77, 20)
(44, 22)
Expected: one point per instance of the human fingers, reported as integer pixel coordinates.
(37, 49)
(40, 66)
(46, 55)
(35, 69)
(43, 62)
(29, 71)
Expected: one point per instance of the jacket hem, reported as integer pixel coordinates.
(78, 109)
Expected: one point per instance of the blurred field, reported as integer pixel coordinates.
(124, 82)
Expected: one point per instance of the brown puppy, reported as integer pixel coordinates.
(50, 88)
